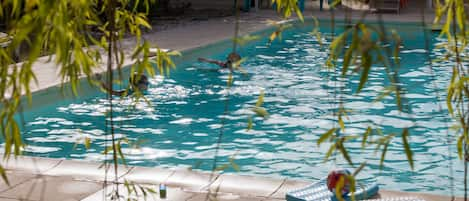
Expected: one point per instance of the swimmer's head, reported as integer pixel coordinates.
(233, 57)
(139, 82)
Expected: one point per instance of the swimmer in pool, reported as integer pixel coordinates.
(228, 64)
(136, 83)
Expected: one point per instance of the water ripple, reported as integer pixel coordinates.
(180, 123)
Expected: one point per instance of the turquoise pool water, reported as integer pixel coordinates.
(181, 126)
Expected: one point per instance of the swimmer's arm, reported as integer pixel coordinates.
(219, 63)
(111, 91)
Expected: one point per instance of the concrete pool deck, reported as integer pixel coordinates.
(48, 179)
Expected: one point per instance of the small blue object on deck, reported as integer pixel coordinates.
(319, 192)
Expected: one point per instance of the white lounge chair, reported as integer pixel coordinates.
(318, 192)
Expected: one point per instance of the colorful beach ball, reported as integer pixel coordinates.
(333, 181)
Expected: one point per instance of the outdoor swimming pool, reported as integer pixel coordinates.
(182, 125)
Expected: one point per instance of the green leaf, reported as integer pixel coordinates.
(1, 10)
(222, 167)
(260, 111)
(366, 65)
(365, 136)
(352, 183)
(15, 7)
(383, 155)
(346, 63)
(246, 39)
(359, 169)
(338, 189)
(408, 151)
(329, 152)
(299, 14)
(137, 52)
(151, 190)
(136, 3)
(349, 53)
(335, 3)
(234, 165)
(143, 191)
(460, 16)
(87, 142)
(134, 187)
(128, 186)
(107, 150)
(16, 138)
(174, 53)
(326, 135)
(455, 127)
(387, 90)
(121, 154)
(260, 100)
(273, 36)
(230, 80)
(249, 123)
(344, 152)
(143, 22)
(337, 42)
(341, 123)
(398, 98)
(460, 146)
(398, 42)
(448, 100)
(4, 175)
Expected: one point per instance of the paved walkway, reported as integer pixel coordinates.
(34, 179)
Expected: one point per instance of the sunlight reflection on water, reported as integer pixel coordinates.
(181, 125)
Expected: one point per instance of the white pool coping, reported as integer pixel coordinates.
(32, 178)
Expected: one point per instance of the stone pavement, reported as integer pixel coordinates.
(35, 179)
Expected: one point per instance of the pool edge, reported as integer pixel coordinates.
(181, 181)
